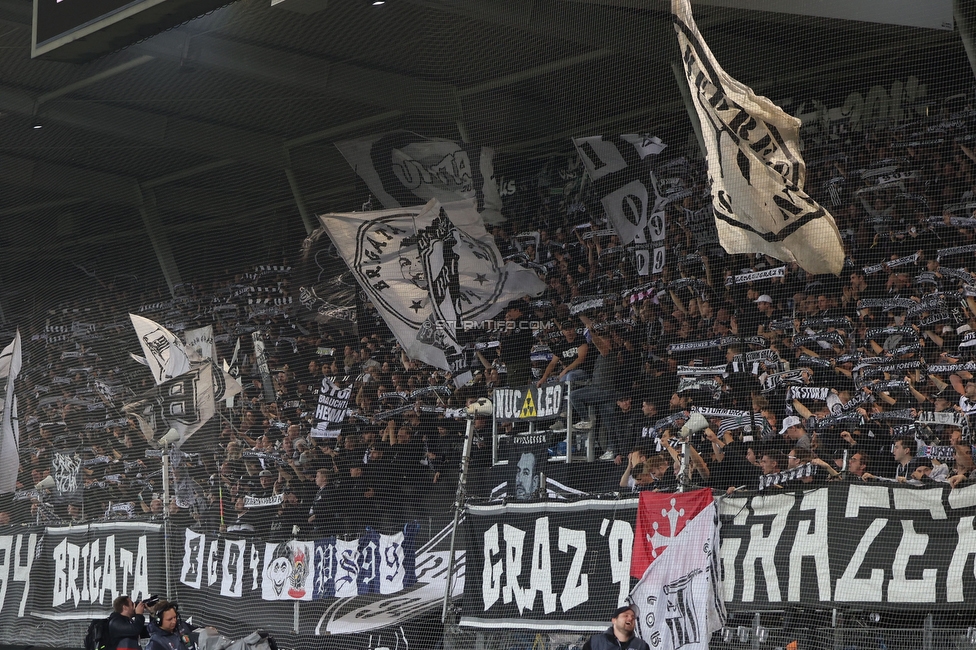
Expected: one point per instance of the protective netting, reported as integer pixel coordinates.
(313, 461)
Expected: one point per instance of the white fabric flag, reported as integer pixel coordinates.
(347, 568)
(200, 343)
(165, 353)
(754, 162)
(10, 364)
(392, 570)
(429, 271)
(679, 598)
(404, 169)
(184, 403)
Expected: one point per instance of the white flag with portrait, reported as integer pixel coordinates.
(754, 162)
(429, 271)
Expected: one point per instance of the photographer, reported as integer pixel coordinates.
(126, 624)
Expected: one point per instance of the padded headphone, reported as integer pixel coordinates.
(157, 618)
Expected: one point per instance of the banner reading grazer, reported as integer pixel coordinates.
(850, 545)
(754, 162)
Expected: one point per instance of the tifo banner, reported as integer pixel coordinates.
(326, 286)
(753, 156)
(558, 566)
(403, 169)
(55, 580)
(528, 402)
(343, 587)
(331, 410)
(426, 271)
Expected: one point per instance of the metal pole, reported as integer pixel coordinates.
(459, 499)
(169, 593)
(679, 76)
(683, 479)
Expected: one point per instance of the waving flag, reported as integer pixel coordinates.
(754, 162)
(165, 353)
(679, 597)
(428, 271)
(10, 364)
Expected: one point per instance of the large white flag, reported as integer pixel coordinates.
(184, 403)
(403, 169)
(679, 597)
(754, 162)
(429, 272)
(10, 364)
(165, 353)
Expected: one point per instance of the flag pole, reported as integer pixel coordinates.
(459, 499)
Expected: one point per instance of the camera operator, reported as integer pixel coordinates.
(126, 624)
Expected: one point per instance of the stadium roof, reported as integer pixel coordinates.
(200, 134)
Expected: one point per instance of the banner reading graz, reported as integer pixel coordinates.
(559, 566)
(528, 402)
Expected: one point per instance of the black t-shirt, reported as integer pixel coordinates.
(567, 352)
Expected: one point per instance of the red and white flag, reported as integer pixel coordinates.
(676, 554)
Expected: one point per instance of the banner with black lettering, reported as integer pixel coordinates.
(403, 169)
(332, 408)
(754, 162)
(528, 402)
(554, 566)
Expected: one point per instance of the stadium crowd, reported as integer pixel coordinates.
(865, 376)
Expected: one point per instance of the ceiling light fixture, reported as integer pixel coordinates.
(37, 126)
(377, 3)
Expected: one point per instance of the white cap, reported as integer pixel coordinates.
(792, 421)
(764, 298)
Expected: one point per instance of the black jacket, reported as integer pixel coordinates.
(607, 641)
(123, 633)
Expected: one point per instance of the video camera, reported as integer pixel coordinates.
(149, 602)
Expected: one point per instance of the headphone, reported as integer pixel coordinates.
(157, 618)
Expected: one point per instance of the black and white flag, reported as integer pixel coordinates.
(754, 162)
(331, 410)
(429, 271)
(10, 364)
(403, 169)
(636, 211)
(184, 403)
